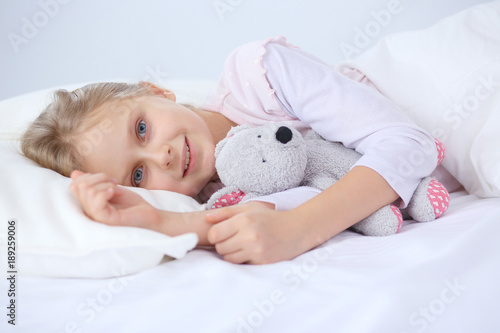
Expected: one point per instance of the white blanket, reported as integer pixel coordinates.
(440, 276)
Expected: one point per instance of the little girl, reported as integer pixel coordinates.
(137, 135)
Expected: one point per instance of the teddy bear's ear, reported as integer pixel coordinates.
(236, 129)
(229, 135)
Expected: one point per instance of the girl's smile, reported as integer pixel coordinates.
(154, 143)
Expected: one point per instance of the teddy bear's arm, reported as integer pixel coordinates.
(384, 222)
(327, 162)
(227, 196)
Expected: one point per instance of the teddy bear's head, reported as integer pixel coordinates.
(262, 160)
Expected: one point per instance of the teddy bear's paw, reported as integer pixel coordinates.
(441, 151)
(384, 222)
(228, 199)
(438, 197)
(430, 200)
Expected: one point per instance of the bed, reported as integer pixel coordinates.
(70, 274)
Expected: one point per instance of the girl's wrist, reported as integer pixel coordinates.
(175, 224)
(166, 222)
(305, 234)
(159, 220)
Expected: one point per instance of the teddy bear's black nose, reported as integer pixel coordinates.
(284, 134)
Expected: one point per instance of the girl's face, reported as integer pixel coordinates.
(150, 142)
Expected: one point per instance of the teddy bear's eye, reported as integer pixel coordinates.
(259, 136)
(263, 161)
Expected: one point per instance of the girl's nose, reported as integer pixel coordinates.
(162, 155)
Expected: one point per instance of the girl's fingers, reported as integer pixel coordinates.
(238, 257)
(221, 232)
(76, 173)
(99, 209)
(100, 201)
(94, 193)
(222, 214)
(228, 246)
(85, 182)
(108, 188)
(91, 178)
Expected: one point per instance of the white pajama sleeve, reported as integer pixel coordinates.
(290, 198)
(343, 110)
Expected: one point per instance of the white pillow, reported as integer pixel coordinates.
(54, 237)
(447, 78)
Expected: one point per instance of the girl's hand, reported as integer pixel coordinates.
(104, 201)
(254, 233)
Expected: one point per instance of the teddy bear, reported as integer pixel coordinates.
(257, 161)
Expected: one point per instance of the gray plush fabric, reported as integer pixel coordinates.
(275, 157)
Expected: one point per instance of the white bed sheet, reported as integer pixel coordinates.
(442, 276)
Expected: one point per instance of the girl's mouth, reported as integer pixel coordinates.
(189, 158)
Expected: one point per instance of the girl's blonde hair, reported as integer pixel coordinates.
(50, 139)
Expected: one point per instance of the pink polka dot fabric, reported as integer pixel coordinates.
(229, 199)
(438, 197)
(398, 214)
(441, 151)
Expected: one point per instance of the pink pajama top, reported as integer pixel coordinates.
(272, 80)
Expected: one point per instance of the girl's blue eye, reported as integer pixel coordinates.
(141, 129)
(138, 174)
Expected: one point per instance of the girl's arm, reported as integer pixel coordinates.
(247, 233)
(106, 202)
(173, 224)
(355, 196)
(261, 235)
(341, 109)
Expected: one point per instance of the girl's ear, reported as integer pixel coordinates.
(157, 91)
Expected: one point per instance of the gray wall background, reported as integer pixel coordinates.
(45, 43)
